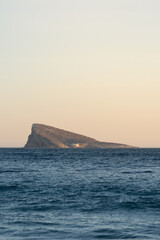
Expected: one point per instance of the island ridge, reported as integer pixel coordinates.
(43, 136)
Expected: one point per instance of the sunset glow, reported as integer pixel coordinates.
(89, 66)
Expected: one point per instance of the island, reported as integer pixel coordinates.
(43, 136)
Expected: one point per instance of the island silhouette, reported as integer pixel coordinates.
(43, 136)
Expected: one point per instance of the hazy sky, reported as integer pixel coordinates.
(88, 66)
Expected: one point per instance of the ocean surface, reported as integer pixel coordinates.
(79, 194)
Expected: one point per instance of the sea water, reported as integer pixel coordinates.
(79, 194)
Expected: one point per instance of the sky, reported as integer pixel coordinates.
(88, 66)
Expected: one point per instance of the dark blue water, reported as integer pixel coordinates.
(79, 194)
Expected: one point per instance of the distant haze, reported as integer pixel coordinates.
(87, 66)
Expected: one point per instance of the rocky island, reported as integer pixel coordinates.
(43, 136)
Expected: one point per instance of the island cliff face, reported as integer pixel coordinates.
(43, 136)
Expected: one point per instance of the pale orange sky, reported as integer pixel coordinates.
(89, 66)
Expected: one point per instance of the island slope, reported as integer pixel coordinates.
(43, 136)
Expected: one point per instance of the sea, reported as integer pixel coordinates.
(75, 194)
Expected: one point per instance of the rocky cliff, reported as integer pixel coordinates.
(43, 136)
